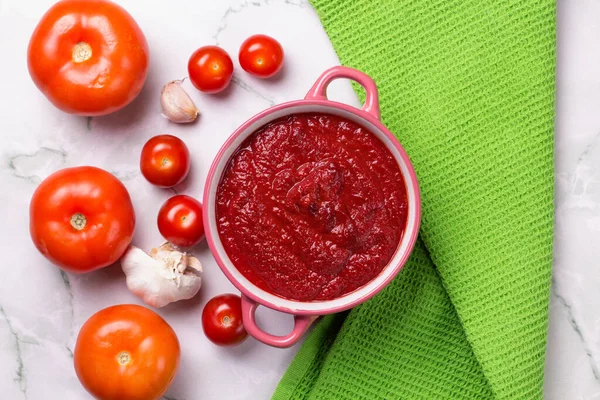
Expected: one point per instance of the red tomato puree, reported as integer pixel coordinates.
(311, 206)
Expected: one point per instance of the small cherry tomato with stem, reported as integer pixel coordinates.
(210, 69)
(261, 56)
(222, 320)
(126, 352)
(165, 161)
(180, 221)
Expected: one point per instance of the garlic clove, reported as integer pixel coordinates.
(176, 104)
(164, 276)
(194, 266)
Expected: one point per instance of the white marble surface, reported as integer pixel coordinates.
(41, 308)
(573, 355)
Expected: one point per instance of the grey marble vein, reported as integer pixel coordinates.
(20, 379)
(232, 10)
(581, 159)
(247, 87)
(298, 3)
(245, 4)
(575, 325)
(126, 175)
(42, 154)
(68, 287)
(589, 148)
(69, 352)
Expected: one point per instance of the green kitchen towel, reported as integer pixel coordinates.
(468, 88)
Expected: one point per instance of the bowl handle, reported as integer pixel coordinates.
(319, 90)
(301, 324)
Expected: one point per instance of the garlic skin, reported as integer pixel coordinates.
(164, 276)
(176, 104)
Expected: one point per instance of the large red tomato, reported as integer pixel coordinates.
(81, 218)
(126, 352)
(88, 57)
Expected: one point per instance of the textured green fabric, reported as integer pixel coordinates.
(468, 88)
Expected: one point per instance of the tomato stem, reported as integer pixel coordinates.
(124, 358)
(81, 52)
(78, 221)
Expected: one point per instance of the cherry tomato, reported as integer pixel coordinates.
(222, 320)
(165, 160)
(126, 352)
(88, 57)
(81, 218)
(261, 56)
(180, 221)
(210, 69)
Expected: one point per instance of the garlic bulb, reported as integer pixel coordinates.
(163, 276)
(176, 104)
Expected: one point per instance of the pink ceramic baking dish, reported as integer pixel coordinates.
(306, 312)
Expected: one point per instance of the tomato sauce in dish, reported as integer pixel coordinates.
(311, 207)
